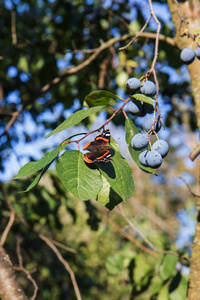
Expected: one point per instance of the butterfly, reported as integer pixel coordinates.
(98, 149)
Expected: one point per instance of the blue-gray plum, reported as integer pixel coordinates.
(197, 52)
(148, 124)
(148, 88)
(140, 141)
(135, 107)
(161, 146)
(148, 108)
(133, 84)
(142, 158)
(154, 159)
(187, 55)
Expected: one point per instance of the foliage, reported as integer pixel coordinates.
(61, 69)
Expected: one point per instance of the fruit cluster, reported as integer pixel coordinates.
(137, 108)
(188, 55)
(148, 158)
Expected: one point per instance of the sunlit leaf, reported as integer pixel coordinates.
(164, 293)
(178, 287)
(74, 119)
(34, 166)
(83, 182)
(99, 98)
(168, 266)
(118, 173)
(115, 263)
(37, 178)
(142, 268)
(107, 196)
(143, 98)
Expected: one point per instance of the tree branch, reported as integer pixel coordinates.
(12, 216)
(28, 273)
(134, 228)
(63, 261)
(9, 287)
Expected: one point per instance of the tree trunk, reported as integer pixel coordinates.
(190, 11)
(9, 287)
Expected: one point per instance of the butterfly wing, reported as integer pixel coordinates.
(103, 156)
(98, 149)
(100, 141)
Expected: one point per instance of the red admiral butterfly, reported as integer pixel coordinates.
(99, 149)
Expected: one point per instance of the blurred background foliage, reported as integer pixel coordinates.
(39, 42)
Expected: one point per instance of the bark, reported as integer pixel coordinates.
(9, 287)
(190, 10)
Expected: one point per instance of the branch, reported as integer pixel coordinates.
(69, 249)
(75, 69)
(134, 228)
(28, 273)
(154, 218)
(138, 34)
(13, 27)
(130, 238)
(193, 194)
(63, 261)
(102, 126)
(9, 287)
(195, 152)
(12, 216)
(182, 20)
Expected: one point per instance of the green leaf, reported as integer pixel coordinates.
(83, 182)
(180, 286)
(107, 196)
(99, 98)
(118, 173)
(164, 293)
(168, 266)
(37, 178)
(143, 98)
(131, 130)
(156, 284)
(142, 268)
(34, 166)
(115, 263)
(23, 64)
(121, 78)
(74, 119)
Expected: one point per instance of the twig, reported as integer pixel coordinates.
(12, 120)
(153, 217)
(102, 126)
(134, 228)
(69, 249)
(193, 194)
(13, 27)
(112, 13)
(103, 72)
(152, 70)
(148, 35)
(64, 262)
(11, 219)
(130, 238)
(195, 152)
(138, 34)
(28, 273)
